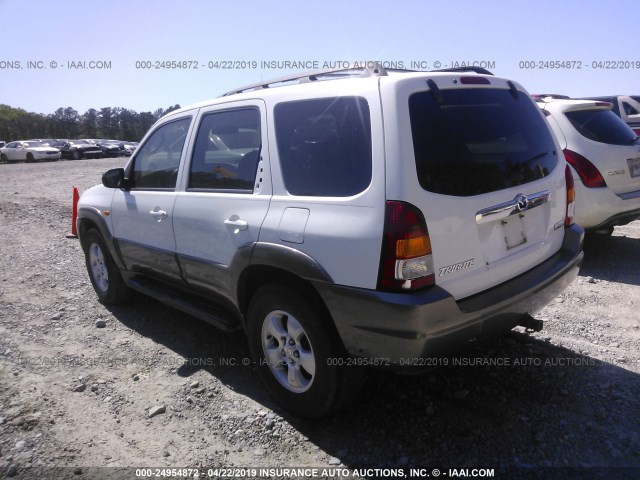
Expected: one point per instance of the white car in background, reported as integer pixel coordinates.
(28, 151)
(604, 154)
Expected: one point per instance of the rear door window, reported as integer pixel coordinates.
(601, 126)
(477, 141)
(324, 146)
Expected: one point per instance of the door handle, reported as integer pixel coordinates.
(236, 222)
(160, 214)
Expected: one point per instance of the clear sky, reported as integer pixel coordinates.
(44, 44)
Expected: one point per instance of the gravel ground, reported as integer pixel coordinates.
(142, 385)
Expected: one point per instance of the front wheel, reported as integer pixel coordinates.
(297, 353)
(77, 155)
(103, 272)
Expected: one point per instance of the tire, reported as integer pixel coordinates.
(104, 273)
(77, 155)
(298, 354)
(30, 158)
(3, 158)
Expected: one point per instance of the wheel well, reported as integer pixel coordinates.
(256, 276)
(85, 226)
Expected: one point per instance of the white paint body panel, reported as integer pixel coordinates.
(455, 235)
(344, 234)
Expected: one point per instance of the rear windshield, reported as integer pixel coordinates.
(601, 126)
(479, 140)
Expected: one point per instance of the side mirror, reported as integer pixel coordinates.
(114, 178)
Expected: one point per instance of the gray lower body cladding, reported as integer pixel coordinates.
(393, 329)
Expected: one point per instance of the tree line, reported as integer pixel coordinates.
(107, 122)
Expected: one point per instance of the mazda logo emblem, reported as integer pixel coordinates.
(522, 203)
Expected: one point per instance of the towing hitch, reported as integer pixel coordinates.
(530, 323)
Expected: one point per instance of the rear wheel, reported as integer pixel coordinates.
(103, 272)
(3, 158)
(297, 353)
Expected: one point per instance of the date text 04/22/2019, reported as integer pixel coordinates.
(579, 65)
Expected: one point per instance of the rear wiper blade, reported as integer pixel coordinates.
(540, 155)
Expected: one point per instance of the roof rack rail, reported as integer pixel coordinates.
(367, 69)
(481, 70)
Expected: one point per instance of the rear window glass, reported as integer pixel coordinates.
(479, 140)
(601, 126)
(324, 146)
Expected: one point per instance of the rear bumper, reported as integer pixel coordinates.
(599, 208)
(395, 329)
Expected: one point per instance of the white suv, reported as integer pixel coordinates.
(604, 154)
(348, 218)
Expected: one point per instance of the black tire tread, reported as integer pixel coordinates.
(343, 383)
(118, 291)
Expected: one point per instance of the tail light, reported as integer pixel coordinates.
(571, 197)
(587, 171)
(637, 130)
(474, 81)
(406, 263)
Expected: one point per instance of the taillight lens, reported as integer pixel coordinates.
(406, 262)
(571, 197)
(637, 130)
(587, 171)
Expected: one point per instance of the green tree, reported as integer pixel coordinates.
(89, 124)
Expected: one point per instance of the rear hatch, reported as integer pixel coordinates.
(475, 155)
(604, 140)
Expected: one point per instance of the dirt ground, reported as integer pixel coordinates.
(78, 380)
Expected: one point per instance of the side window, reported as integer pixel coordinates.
(628, 109)
(227, 151)
(324, 146)
(156, 162)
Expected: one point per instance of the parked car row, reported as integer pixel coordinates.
(604, 155)
(43, 149)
